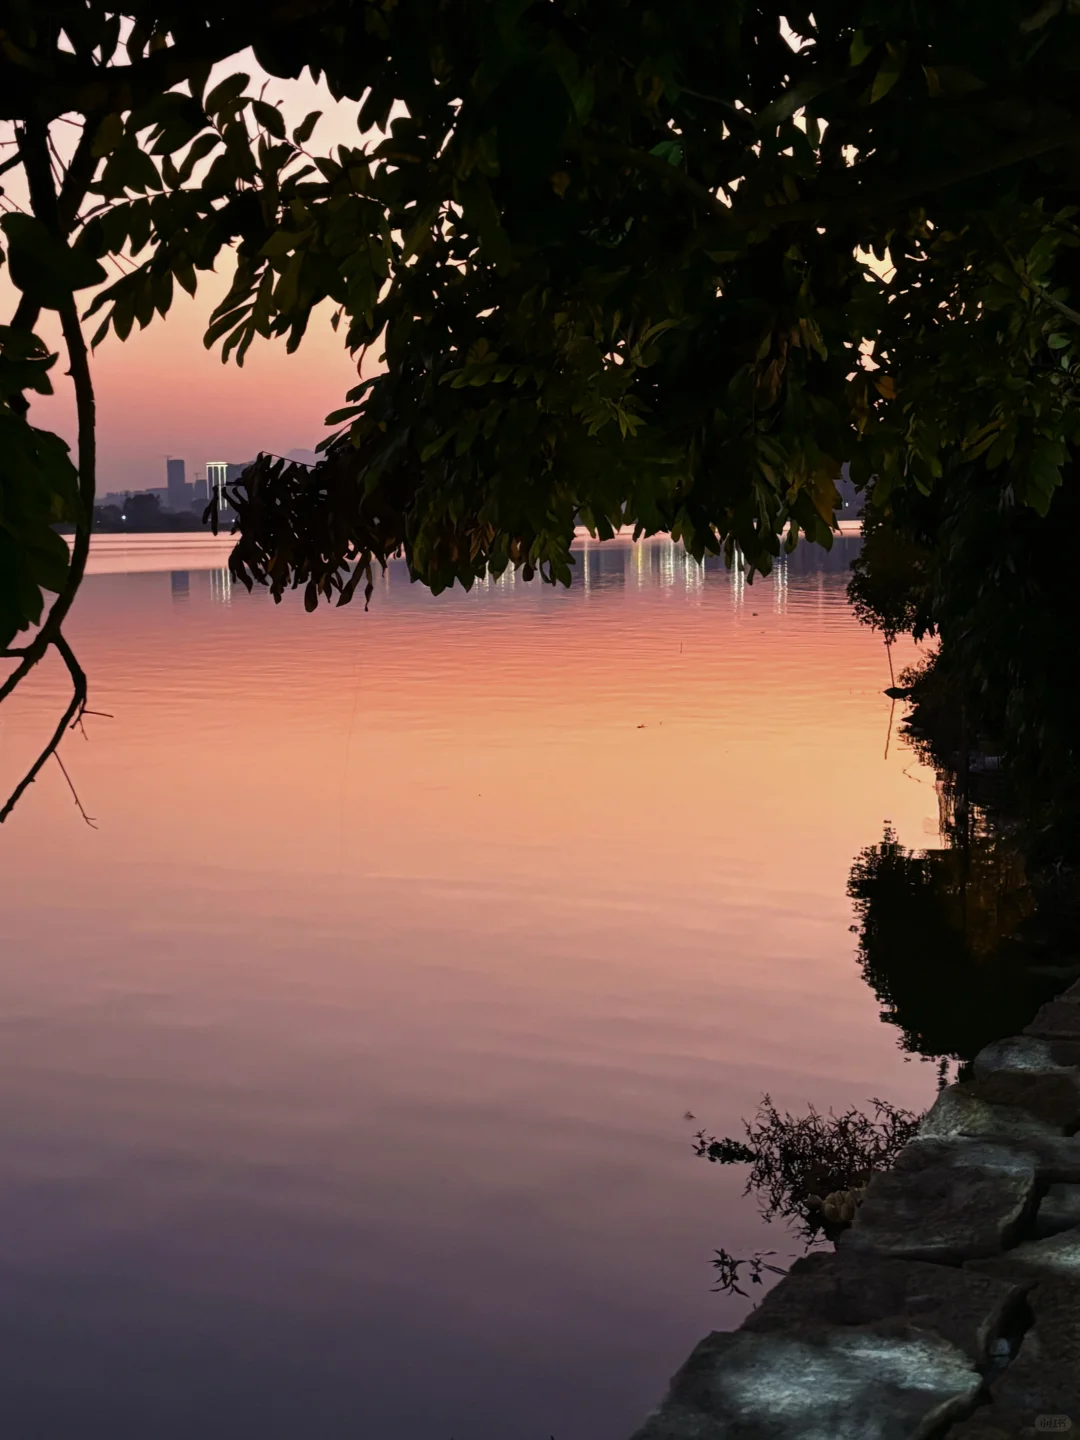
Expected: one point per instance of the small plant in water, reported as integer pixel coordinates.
(810, 1170)
(728, 1270)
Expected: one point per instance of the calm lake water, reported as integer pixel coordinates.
(344, 1067)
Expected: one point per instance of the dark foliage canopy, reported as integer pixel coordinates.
(625, 264)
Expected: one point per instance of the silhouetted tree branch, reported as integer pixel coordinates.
(33, 148)
(71, 716)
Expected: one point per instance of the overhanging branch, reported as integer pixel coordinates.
(33, 149)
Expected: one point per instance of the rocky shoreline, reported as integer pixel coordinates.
(951, 1308)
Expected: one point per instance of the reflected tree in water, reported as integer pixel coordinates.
(939, 940)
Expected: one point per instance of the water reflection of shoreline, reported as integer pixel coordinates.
(619, 564)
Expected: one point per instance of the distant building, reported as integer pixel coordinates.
(217, 477)
(179, 491)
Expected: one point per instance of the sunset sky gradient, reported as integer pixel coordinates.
(162, 393)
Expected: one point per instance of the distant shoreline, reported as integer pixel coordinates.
(150, 551)
(199, 533)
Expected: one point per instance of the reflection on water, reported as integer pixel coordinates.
(941, 941)
(221, 584)
(346, 1067)
(656, 564)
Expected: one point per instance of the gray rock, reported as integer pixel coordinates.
(1059, 1210)
(1056, 1259)
(1055, 1159)
(964, 1109)
(848, 1288)
(823, 1384)
(1044, 1379)
(947, 1201)
(963, 1152)
(1027, 1073)
(1058, 1018)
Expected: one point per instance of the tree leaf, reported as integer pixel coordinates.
(304, 131)
(225, 94)
(269, 117)
(43, 266)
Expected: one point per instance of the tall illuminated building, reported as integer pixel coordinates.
(217, 475)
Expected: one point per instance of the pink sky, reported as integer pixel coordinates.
(161, 393)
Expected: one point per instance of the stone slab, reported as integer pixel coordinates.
(1060, 1018)
(1045, 1376)
(1028, 1073)
(1059, 1210)
(947, 1201)
(1044, 1379)
(1025, 1054)
(967, 1309)
(828, 1383)
(1055, 1159)
(1057, 1259)
(966, 1109)
(963, 1153)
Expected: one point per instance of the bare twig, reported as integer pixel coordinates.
(74, 793)
(888, 737)
(70, 716)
